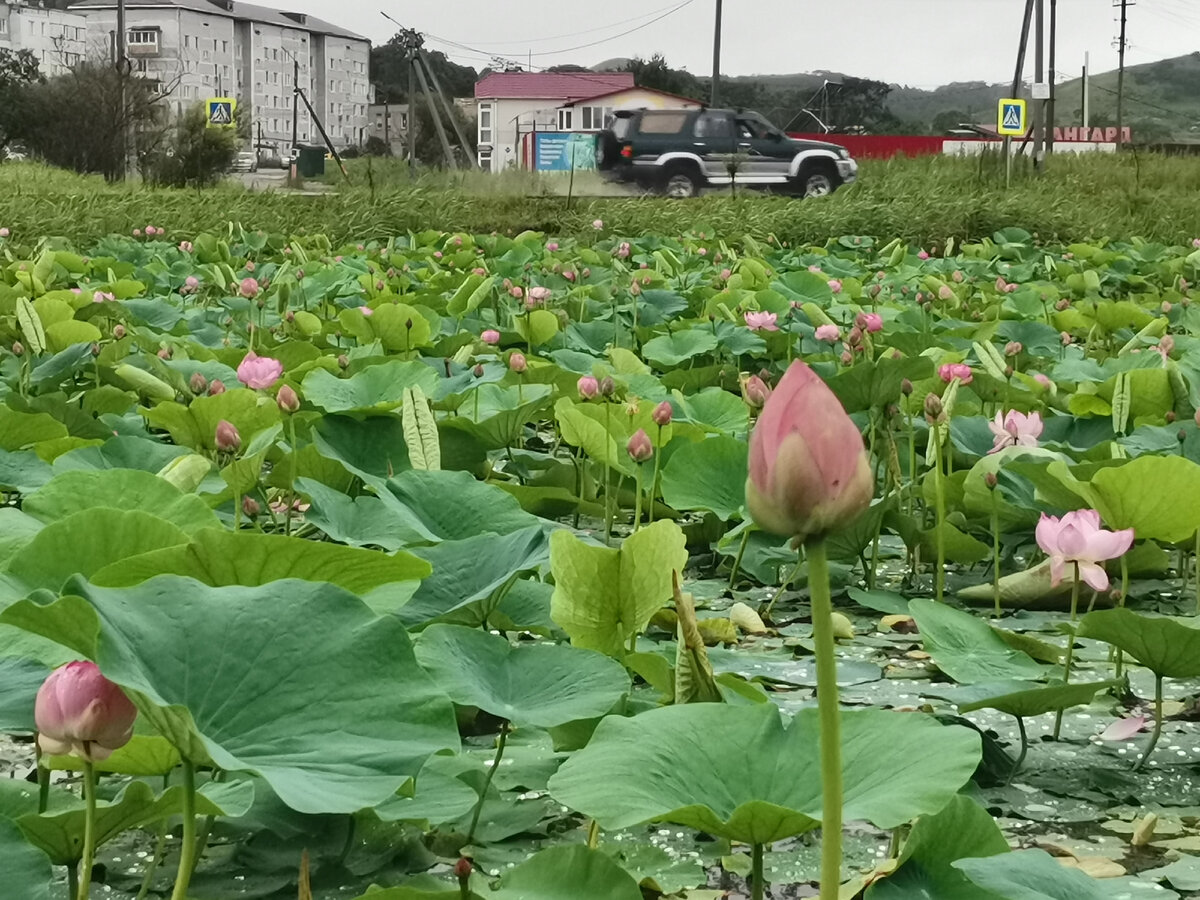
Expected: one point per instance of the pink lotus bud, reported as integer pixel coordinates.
(598, 224)
(462, 869)
(1171, 417)
(250, 507)
(4, 232)
(569, 275)
(287, 399)
(516, 292)
(137, 232)
(537, 296)
(1062, 304)
(1013, 348)
(80, 712)
(639, 447)
(198, 383)
(118, 331)
(249, 287)
(869, 322)
(755, 391)
(164, 353)
(933, 407)
(847, 357)
(855, 336)
(809, 472)
(379, 285)
(835, 285)
(589, 387)
(227, 438)
(944, 292)
(437, 254)
(623, 250)
(989, 478)
(366, 310)
(906, 387)
(949, 371)
(662, 414)
(725, 275)
(1166, 306)
(552, 247)
(490, 336)
(922, 255)
(250, 264)
(478, 370)
(957, 276)
(635, 289)
(259, 372)
(343, 361)
(150, 231)
(607, 386)
(1041, 379)
(517, 362)
(185, 246)
(1166, 344)
(1066, 338)
(18, 348)
(702, 251)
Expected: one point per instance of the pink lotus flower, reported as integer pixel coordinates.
(259, 372)
(870, 322)
(1123, 729)
(762, 321)
(814, 269)
(101, 296)
(1015, 429)
(569, 275)
(589, 387)
(248, 288)
(190, 285)
(949, 371)
(725, 275)
(1043, 380)
(598, 224)
(623, 250)
(809, 471)
(639, 447)
(79, 711)
(1078, 538)
(755, 392)
(945, 293)
(662, 414)
(829, 333)
(227, 437)
(366, 310)
(835, 285)
(287, 399)
(185, 246)
(517, 362)
(537, 296)
(4, 232)
(490, 336)
(552, 247)
(922, 255)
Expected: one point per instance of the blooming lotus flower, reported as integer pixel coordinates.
(1014, 429)
(871, 322)
(248, 288)
(1078, 538)
(949, 371)
(809, 471)
(490, 336)
(79, 711)
(762, 321)
(259, 372)
(639, 447)
(589, 387)
(623, 250)
(829, 333)
(185, 246)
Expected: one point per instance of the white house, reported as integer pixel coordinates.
(56, 38)
(198, 49)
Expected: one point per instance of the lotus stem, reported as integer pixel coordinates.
(766, 613)
(187, 844)
(829, 715)
(637, 500)
(1119, 666)
(89, 830)
(658, 445)
(996, 553)
(1197, 553)
(593, 837)
(737, 560)
(939, 575)
(1158, 720)
(487, 781)
(43, 776)
(608, 512)
(160, 846)
(756, 872)
(1058, 716)
(1021, 754)
(295, 462)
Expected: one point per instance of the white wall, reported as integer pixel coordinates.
(55, 37)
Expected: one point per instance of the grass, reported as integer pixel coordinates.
(923, 200)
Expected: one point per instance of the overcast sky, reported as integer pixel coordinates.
(923, 43)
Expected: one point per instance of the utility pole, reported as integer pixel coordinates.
(1121, 70)
(1018, 73)
(1086, 120)
(1039, 76)
(1053, 77)
(123, 69)
(295, 101)
(410, 133)
(716, 76)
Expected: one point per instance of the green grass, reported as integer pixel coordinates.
(923, 200)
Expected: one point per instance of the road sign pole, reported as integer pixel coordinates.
(1007, 163)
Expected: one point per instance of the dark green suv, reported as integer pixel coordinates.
(678, 152)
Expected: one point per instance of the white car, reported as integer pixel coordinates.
(245, 161)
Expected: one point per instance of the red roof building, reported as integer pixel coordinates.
(565, 87)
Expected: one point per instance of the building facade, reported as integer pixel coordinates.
(56, 38)
(389, 123)
(198, 49)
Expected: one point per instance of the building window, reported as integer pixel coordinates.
(564, 120)
(485, 160)
(592, 118)
(3, 26)
(143, 37)
(224, 46)
(485, 123)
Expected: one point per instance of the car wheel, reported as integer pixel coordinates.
(817, 181)
(679, 184)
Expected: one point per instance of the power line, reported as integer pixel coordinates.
(557, 37)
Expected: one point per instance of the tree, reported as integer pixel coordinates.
(18, 70)
(389, 71)
(945, 121)
(655, 74)
(860, 104)
(193, 155)
(428, 146)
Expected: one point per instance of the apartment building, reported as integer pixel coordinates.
(56, 38)
(197, 49)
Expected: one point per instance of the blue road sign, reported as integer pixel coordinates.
(1010, 117)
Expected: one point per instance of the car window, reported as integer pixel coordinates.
(621, 126)
(759, 126)
(714, 125)
(663, 123)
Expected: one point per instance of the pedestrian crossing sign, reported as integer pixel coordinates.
(220, 112)
(1010, 120)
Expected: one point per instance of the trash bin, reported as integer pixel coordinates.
(311, 162)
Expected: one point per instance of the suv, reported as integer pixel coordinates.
(679, 151)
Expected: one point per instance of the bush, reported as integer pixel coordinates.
(193, 155)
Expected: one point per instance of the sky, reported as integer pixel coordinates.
(920, 43)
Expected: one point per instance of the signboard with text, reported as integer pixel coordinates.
(561, 152)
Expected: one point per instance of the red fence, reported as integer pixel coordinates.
(883, 146)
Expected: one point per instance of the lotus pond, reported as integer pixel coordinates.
(428, 567)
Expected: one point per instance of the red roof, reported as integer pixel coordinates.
(568, 86)
(645, 90)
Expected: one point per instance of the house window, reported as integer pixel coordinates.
(3, 26)
(592, 118)
(485, 123)
(564, 120)
(485, 160)
(143, 37)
